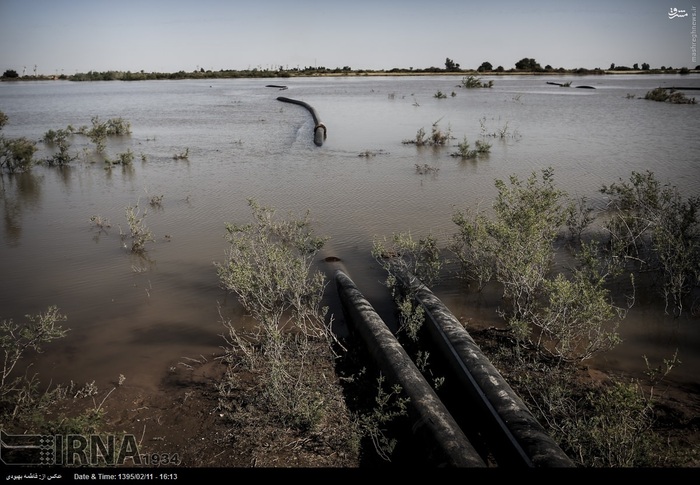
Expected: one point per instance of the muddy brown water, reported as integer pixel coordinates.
(140, 316)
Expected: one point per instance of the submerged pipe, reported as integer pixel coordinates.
(319, 127)
(504, 412)
(430, 417)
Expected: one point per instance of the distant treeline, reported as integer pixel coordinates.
(451, 68)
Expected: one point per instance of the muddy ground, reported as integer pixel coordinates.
(184, 418)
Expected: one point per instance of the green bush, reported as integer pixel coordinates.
(99, 131)
(17, 155)
(574, 315)
(654, 229)
(470, 82)
(268, 266)
(139, 233)
(60, 139)
(437, 136)
(465, 151)
(403, 256)
(605, 426)
(668, 95)
(577, 319)
(18, 392)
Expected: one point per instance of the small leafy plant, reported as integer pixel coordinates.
(465, 151)
(139, 233)
(59, 138)
(437, 137)
(182, 155)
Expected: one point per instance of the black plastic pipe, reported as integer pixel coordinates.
(430, 417)
(319, 127)
(506, 417)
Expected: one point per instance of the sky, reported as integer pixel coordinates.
(49, 37)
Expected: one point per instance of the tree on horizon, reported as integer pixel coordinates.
(528, 64)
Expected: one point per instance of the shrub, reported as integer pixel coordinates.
(60, 139)
(605, 426)
(470, 82)
(671, 96)
(118, 127)
(465, 151)
(18, 393)
(268, 266)
(389, 405)
(437, 137)
(577, 319)
(574, 316)
(139, 233)
(651, 227)
(528, 218)
(97, 134)
(17, 155)
(402, 256)
(99, 131)
(124, 158)
(502, 133)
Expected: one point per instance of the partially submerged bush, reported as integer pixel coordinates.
(577, 319)
(99, 131)
(98, 134)
(139, 233)
(437, 137)
(60, 138)
(17, 155)
(470, 82)
(402, 254)
(668, 95)
(653, 229)
(124, 159)
(465, 151)
(502, 133)
(574, 316)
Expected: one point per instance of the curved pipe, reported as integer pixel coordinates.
(319, 127)
(430, 417)
(504, 412)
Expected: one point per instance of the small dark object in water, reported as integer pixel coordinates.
(585, 87)
(331, 259)
(276, 86)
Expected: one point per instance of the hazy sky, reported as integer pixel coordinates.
(69, 36)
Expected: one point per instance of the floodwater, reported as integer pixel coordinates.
(139, 316)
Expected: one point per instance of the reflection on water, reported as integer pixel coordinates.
(20, 192)
(138, 317)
